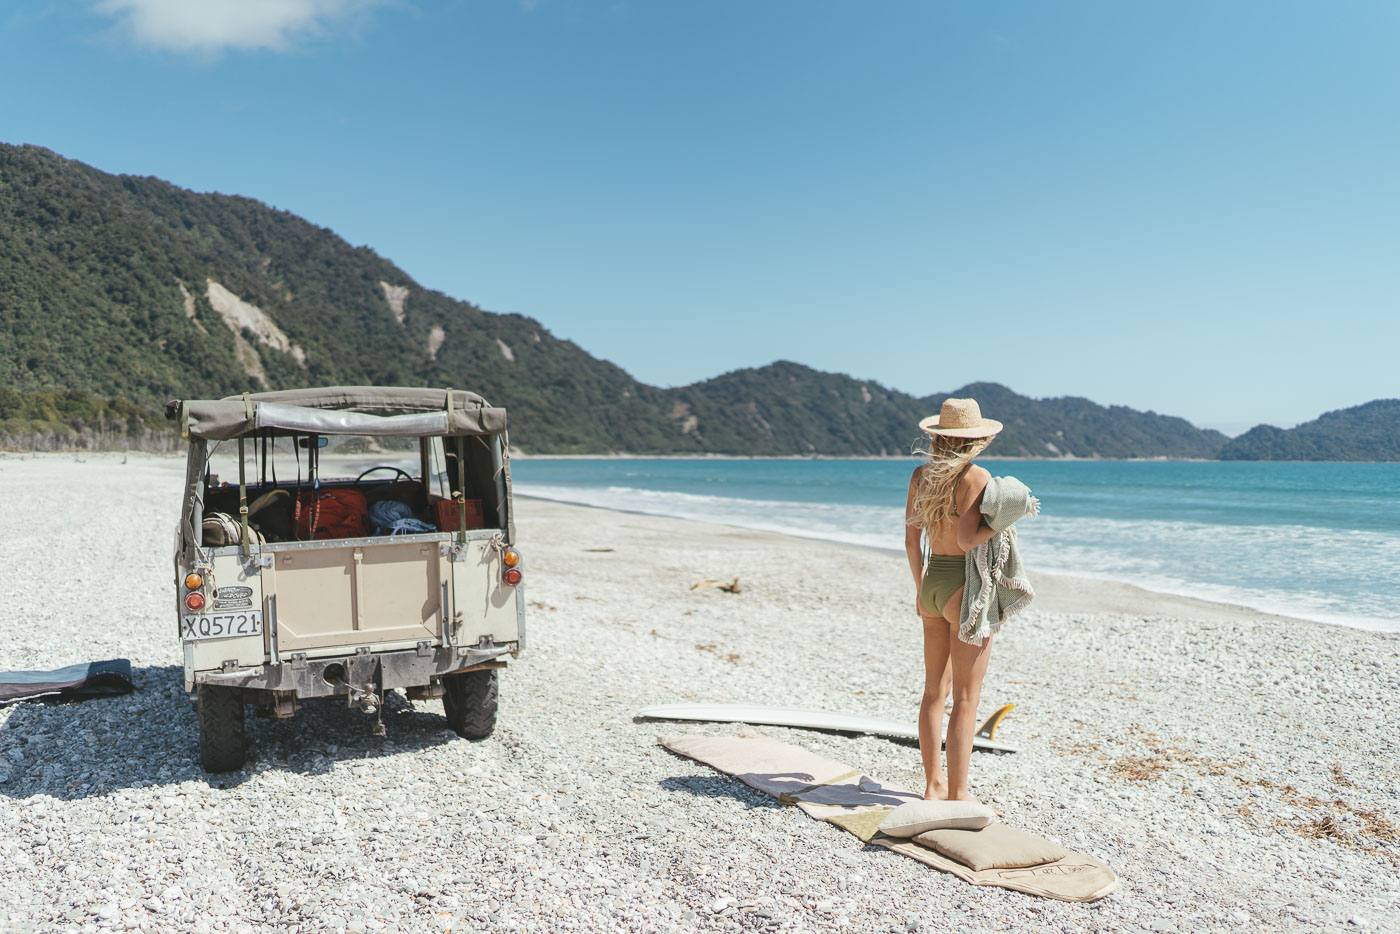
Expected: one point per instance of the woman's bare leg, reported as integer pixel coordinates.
(968, 664)
(937, 679)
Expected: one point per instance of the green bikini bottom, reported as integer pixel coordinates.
(943, 575)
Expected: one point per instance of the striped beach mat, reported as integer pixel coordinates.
(838, 794)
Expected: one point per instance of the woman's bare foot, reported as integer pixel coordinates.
(936, 793)
(968, 797)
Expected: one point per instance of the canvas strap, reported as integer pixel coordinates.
(461, 494)
(243, 500)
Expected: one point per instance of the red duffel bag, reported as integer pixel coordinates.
(331, 514)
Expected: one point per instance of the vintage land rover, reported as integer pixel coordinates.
(361, 540)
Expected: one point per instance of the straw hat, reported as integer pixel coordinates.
(960, 418)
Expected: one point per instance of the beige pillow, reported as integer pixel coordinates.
(994, 847)
(917, 816)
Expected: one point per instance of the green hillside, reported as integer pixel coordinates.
(1075, 427)
(1369, 432)
(787, 408)
(59, 421)
(118, 293)
(105, 286)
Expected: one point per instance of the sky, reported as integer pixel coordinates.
(1191, 207)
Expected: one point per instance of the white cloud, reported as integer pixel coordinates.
(212, 26)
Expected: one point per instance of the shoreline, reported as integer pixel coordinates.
(517, 454)
(1129, 596)
(1080, 582)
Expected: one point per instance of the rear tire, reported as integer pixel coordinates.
(469, 699)
(221, 740)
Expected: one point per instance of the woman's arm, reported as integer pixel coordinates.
(972, 531)
(912, 532)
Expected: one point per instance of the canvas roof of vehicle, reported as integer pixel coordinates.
(366, 410)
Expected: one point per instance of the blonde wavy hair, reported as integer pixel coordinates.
(934, 497)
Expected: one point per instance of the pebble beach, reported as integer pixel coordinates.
(1239, 771)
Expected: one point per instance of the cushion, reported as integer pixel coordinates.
(994, 847)
(917, 816)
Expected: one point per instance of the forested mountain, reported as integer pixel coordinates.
(787, 408)
(118, 293)
(1074, 427)
(1369, 432)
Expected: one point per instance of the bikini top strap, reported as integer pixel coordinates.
(956, 483)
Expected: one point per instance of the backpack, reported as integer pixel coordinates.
(333, 513)
(220, 528)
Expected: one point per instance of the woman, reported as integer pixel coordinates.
(944, 504)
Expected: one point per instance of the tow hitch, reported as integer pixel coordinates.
(366, 697)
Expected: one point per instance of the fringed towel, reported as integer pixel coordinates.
(997, 585)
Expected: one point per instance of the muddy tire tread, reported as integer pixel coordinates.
(222, 746)
(469, 700)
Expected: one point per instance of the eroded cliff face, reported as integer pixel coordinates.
(243, 317)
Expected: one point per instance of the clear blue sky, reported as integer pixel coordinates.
(1192, 207)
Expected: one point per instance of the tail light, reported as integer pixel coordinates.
(512, 576)
(194, 600)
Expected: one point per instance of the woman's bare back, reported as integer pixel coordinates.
(967, 496)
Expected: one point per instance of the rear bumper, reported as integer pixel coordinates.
(328, 677)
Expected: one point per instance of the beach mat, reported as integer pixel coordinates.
(838, 794)
(75, 682)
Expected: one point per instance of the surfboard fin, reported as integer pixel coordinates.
(988, 730)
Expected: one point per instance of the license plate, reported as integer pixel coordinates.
(221, 625)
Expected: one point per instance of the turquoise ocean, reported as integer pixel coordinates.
(1312, 540)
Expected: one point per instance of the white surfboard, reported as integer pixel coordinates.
(816, 720)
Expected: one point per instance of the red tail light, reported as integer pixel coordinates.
(194, 601)
(512, 576)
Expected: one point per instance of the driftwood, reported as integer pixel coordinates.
(730, 587)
